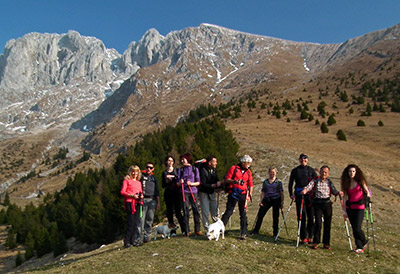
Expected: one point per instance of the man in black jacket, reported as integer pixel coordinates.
(209, 183)
(151, 200)
(302, 174)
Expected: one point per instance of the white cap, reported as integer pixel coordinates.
(246, 159)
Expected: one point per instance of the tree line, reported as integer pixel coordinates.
(90, 207)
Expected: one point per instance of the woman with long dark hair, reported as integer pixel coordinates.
(171, 193)
(355, 192)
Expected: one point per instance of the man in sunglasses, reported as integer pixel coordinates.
(151, 200)
(301, 175)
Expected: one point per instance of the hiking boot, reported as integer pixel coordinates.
(314, 246)
(243, 237)
(138, 243)
(190, 234)
(309, 240)
(327, 247)
(254, 233)
(304, 241)
(359, 251)
(199, 233)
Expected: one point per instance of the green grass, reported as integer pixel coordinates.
(256, 254)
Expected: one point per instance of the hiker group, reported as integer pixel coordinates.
(197, 186)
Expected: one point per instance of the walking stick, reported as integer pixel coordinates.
(301, 215)
(367, 221)
(345, 223)
(140, 204)
(255, 221)
(284, 221)
(372, 227)
(191, 192)
(218, 204)
(183, 194)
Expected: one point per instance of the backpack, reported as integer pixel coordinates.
(278, 184)
(227, 186)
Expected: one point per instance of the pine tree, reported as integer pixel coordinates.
(360, 123)
(324, 128)
(11, 241)
(57, 239)
(341, 136)
(18, 259)
(29, 246)
(331, 120)
(42, 242)
(6, 200)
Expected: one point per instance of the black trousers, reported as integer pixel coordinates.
(172, 200)
(186, 212)
(133, 232)
(230, 206)
(307, 221)
(323, 208)
(267, 204)
(356, 217)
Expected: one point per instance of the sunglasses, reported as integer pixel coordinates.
(149, 167)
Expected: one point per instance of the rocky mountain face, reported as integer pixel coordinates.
(51, 79)
(64, 81)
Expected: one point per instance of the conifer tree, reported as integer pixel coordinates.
(360, 123)
(331, 120)
(324, 128)
(6, 200)
(42, 241)
(57, 239)
(341, 136)
(29, 246)
(11, 241)
(18, 259)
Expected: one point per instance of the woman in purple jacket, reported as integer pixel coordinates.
(188, 181)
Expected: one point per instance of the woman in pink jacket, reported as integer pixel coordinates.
(133, 195)
(356, 193)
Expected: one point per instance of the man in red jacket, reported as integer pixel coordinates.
(240, 185)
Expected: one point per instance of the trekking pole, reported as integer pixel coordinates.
(218, 204)
(191, 192)
(367, 221)
(372, 226)
(183, 193)
(345, 223)
(255, 221)
(140, 200)
(284, 221)
(248, 197)
(301, 215)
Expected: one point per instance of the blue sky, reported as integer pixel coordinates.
(119, 22)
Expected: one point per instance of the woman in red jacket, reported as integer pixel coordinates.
(133, 195)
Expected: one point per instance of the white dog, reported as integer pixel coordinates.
(215, 229)
(164, 230)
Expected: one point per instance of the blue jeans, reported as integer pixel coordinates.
(149, 207)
